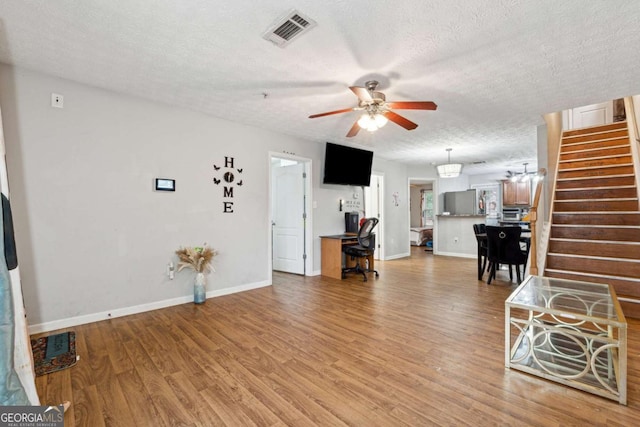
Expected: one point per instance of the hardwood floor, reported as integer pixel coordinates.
(421, 345)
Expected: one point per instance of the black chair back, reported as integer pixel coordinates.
(479, 229)
(503, 245)
(366, 238)
(482, 247)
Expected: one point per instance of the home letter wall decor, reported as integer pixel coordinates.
(227, 180)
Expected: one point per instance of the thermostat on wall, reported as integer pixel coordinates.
(163, 184)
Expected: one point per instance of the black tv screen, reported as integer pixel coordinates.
(347, 165)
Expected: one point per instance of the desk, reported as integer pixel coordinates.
(570, 332)
(332, 256)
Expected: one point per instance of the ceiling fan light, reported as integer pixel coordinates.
(365, 121)
(381, 120)
(525, 176)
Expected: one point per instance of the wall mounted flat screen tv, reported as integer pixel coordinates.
(347, 165)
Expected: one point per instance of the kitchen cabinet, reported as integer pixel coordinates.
(516, 193)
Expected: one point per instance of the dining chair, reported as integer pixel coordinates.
(480, 229)
(503, 247)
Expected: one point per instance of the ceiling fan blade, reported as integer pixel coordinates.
(354, 130)
(399, 120)
(362, 93)
(412, 105)
(346, 110)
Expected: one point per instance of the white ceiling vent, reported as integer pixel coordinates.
(290, 27)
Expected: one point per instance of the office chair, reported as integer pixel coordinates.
(365, 248)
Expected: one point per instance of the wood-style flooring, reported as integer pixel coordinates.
(421, 345)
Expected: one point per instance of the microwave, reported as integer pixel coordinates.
(511, 214)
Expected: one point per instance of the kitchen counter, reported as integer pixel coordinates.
(461, 216)
(455, 236)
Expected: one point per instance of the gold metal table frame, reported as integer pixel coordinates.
(570, 332)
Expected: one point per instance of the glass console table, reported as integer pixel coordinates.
(570, 332)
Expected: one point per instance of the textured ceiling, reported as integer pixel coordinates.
(492, 66)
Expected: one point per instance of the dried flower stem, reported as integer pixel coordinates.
(199, 259)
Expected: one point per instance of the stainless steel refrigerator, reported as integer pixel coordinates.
(460, 202)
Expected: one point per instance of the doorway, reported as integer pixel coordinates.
(593, 115)
(373, 207)
(290, 217)
(423, 205)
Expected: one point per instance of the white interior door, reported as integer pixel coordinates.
(373, 196)
(288, 218)
(593, 115)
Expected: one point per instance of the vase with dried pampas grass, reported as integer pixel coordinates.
(199, 259)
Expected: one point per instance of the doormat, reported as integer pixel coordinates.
(54, 352)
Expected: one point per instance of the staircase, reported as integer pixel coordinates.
(595, 222)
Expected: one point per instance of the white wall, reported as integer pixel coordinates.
(395, 209)
(93, 238)
(486, 179)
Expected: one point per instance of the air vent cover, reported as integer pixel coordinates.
(288, 28)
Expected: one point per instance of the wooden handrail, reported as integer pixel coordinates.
(634, 136)
(533, 217)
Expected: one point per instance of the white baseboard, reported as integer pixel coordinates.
(456, 254)
(315, 273)
(398, 256)
(120, 312)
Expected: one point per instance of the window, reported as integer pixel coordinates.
(426, 207)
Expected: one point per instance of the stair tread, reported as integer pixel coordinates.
(570, 142)
(605, 276)
(582, 226)
(611, 187)
(602, 242)
(609, 165)
(567, 143)
(595, 199)
(597, 212)
(592, 149)
(606, 156)
(577, 178)
(590, 130)
(631, 260)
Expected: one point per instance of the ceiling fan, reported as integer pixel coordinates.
(377, 111)
(520, 176)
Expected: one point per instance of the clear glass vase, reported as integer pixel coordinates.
(200, 289)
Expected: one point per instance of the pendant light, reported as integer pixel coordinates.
(449, 170)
